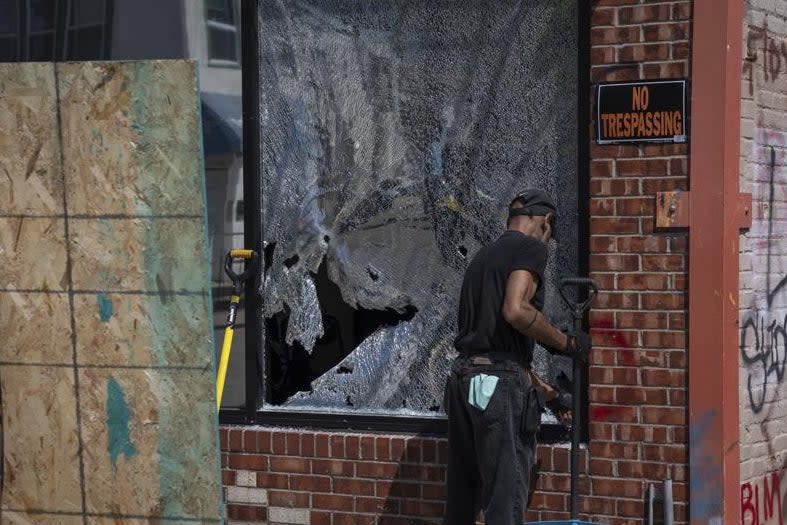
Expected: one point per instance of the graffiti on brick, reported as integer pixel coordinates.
(601, 412)
(764, 331)
(762, 501)
(764, 48)
(706, 497)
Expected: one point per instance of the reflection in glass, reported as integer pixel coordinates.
(220, 11)
(87, 12)
(8, 18)
(42, 15)
(223, 31)
(222, 44)
(40, 47)
(9, 27)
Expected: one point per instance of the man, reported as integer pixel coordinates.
(493, 400)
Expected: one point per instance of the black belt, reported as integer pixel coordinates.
(495, 356)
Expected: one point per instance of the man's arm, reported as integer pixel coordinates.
(519, 312)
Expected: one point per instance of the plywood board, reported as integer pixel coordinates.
(26, 338)
(122, 121)
(29, 155)
(32, 253)
(39, 518)
(142, 330)
(108, 378)
(154, 254)
(146, 421)
(41, 449)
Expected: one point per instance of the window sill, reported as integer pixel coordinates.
(436, 426)
(226, 64)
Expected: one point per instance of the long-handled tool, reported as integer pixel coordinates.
(578, 310)
(250, 259)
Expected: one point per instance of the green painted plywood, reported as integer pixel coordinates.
(122, 123)
(104, 296)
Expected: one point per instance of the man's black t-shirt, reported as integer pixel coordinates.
(481, 324)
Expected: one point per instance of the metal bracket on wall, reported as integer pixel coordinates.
(744, 211)
(673, 210)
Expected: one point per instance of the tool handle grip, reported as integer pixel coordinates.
(241, 254)
(578, 309)
(579, 281)
(250, 256)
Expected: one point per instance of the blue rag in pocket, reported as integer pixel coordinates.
(482, 387)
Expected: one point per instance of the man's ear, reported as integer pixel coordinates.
(547, 224)
(546, 227)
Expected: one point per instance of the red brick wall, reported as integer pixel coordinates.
(638, 373)
(353, 478)
(347, 478)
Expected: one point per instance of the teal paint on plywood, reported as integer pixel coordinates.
(104, 307)
(118, 415)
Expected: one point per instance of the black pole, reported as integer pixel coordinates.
(579, 408)
(589, 288)
(252, 194)
(576, 423)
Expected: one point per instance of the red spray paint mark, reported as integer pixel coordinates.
(625, 354)
(626, 357)
(605, 412)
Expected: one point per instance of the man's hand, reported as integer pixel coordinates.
(562, 408)
(579, 345)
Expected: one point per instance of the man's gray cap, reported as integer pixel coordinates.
(535, 202)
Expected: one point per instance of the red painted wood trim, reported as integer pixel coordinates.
(714, 459)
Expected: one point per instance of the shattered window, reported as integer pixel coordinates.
(394, 134)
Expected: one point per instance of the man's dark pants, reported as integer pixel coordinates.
(490, 452)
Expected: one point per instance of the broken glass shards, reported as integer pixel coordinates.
(393, 136)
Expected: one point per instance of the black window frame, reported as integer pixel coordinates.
(69, 26)
(17, 36)
(61, 28)
(256, 370)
